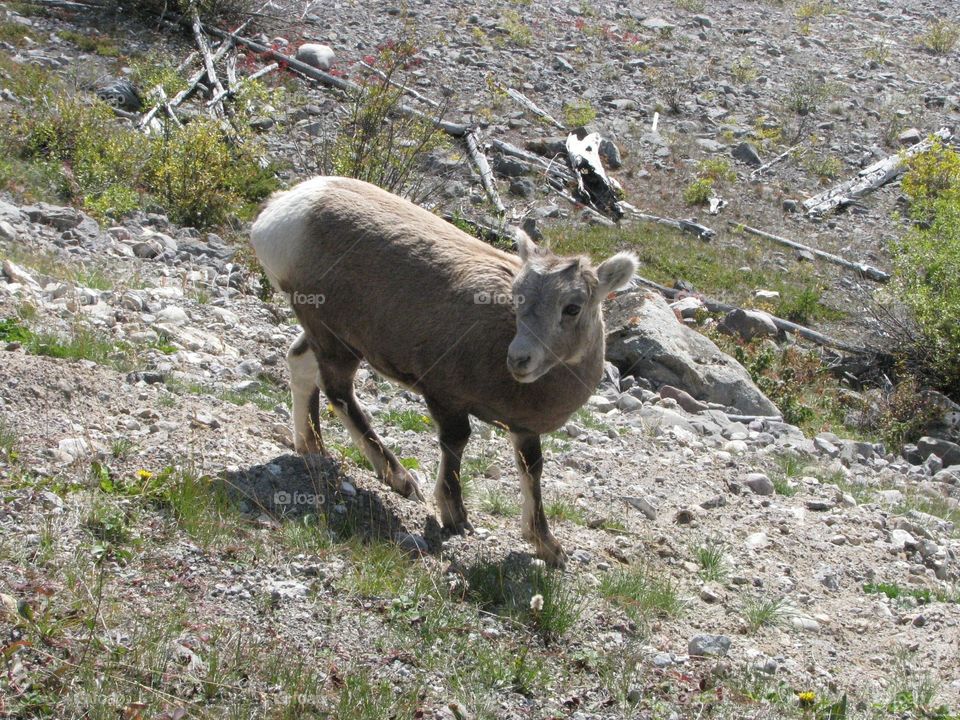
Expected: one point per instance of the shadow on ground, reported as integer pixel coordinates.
(291, 487)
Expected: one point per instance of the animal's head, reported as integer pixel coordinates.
(557, 301)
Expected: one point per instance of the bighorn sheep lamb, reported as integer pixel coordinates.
(513, 341)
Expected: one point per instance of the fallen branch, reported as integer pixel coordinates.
(689, 226)
(767, 165)
(534, 162)
(486, 174)
(204, 47)
(594, 187)
(867, 271)
(529, 105)
(784, 325)
(868, 179)
(454, 129)
(192, 84)
(237, 84)
(400, 86)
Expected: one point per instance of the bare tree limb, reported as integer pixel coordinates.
(204, 47)
(408, 90)
(767, 165)
(455, 129)
(237, 84)
(529, 105)
(486, 174)
(867, 271)
(187, 91)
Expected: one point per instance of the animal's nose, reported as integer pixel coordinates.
(518, 362)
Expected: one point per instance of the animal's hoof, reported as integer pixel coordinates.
(411, 488)
(551, 552)
(458, 527)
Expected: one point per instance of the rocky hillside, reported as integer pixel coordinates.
(165, 554)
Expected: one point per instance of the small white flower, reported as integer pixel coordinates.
(536, 603)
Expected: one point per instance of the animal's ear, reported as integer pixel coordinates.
(615, 272)
(526, 247)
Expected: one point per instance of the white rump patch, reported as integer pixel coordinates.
(279, 234)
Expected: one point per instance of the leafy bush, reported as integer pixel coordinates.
(927, 267)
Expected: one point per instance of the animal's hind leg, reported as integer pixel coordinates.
(336, 377)
(454, 432)
(304, 387)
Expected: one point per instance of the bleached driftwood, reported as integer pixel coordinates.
(535, 109)
(868, 179)
(457, 130)
(204, 47)
(533, 162)
(486, 174)
(867, 271)
(593, 186)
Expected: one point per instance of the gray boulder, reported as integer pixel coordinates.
(645, 339)
(748, 324)
(316, 55)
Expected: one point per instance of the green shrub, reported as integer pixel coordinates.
(198, 174)
(378, 143)
(578, 113)
(941, 37)
(927, 266)
(698, 192)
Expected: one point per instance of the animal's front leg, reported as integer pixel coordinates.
(530, 464)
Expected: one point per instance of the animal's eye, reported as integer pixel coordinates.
(571, 310)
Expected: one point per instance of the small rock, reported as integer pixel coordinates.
(806, 624)
(708, 646)
(411, 543)
(820, 505)
(643, 505)
(759, 483)
(747, 153)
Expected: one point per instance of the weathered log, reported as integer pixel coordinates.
(868, 179)
(204, 47)
(534, 162)
(400, 86)
(192, 84)
(867, 271)
(486, 174)
(532, 107)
